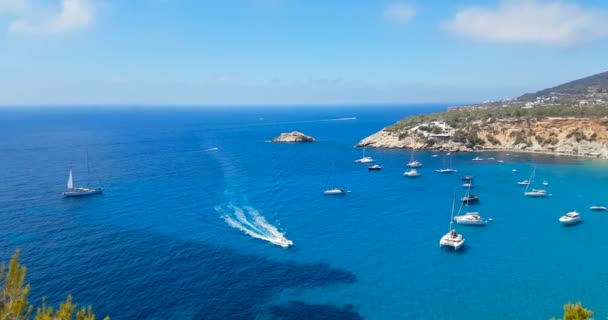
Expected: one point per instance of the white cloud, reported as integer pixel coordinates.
(12, 6)
(530, 21)
(399, 12)
(72, 15)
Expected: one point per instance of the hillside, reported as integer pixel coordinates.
(572, 120)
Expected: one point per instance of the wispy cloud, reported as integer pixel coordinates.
(69, 16)
(530, 21)
(399, 13)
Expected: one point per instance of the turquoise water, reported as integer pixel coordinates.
(156, 244)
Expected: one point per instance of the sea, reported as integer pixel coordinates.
(196, 198)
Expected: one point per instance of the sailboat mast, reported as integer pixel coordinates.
(452, 215)
(530, 180)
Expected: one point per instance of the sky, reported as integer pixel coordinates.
(294, 51)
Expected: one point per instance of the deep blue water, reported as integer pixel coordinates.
(155, 245)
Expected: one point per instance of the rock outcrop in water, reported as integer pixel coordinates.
(293, 136)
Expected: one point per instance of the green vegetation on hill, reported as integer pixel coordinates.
(15, 306)
(460, 119)
(576, 87)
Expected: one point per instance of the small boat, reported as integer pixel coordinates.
(412, 173)
(435, 156)
(72, 191)
(375, 167)
(471, 198)
(467, 185)
(491, 158)
(515, 170)
(536, 193)
(335, 191)
(413, 162)
(524, 183)
(597, 207)
(572, 217)
(452, 239)
(364, 159)
(477, 159)
(470, 218)
(545, 183)
(447, 170)
(467, 178)
(500, 161)
(449, 153)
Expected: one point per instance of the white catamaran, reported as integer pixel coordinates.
(72, 191)
(452, 238)
(534, 192)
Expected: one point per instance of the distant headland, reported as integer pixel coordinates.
(569, 119)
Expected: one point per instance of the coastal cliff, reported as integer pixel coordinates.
(570, 119)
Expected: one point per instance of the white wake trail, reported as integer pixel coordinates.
(252, 223)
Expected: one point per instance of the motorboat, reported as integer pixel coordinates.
(375, 167)
(545, 183)
(470, 198)
(470, 218)
(597, 207)
(447, 170)
(477, 159)
(491, 158)
(524, 183)
(435, 156)
(412, 173)
(572, 217)
(467, 178)
(467, 185)
(515, 170)
(452, 239)
(335, 191)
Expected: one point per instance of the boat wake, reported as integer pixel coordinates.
(252, 223)
(213, 149)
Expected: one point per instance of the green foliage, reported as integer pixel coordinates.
(491, 139)
(14, 304)
(576, 312)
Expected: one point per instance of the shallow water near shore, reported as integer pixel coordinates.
(158, 243)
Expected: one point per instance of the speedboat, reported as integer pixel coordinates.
(570, 218)
(336, 191)
(365, 160)
(471, 198)
(597, 207)
(412, 173)
(414, 164)
(545, 183)
(467, 178)
(477, 159)
(536, 193)
(452, 239)
(467, 185)
(283, 242)
(375, 167)
(470, 218)
(524, 183)
(447, 170)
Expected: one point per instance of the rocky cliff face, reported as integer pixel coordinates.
(568, 136)
(294, 136)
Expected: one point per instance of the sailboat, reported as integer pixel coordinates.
(364, 159)
(72, 191)
(452, 238)
(534, 192)
(448, 169)
(413, 162)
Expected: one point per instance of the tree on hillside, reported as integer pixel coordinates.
(576, 312)
(14, 304)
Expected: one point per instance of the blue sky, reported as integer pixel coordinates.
(293, 51)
